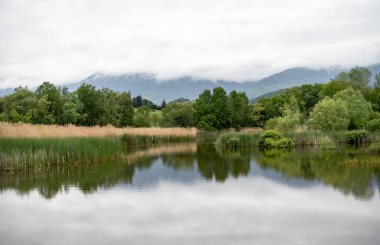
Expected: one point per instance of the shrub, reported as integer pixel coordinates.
(274, 139)
(356, 136)
(233, 142)
(373, 125)
(271, 134)
(329, 115)
(359, 109)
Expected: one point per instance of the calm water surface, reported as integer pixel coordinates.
(194, 194)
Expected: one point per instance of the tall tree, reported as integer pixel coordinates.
(238, 106)
(178, 115)
(204, 116)
(377, 81)
(163, 104)
(358, 108)
(359, 77)
(126, 109)
(220, 108)
(53, 95)
(137, 101)
(18, 106)
(88, 96)
(329, 115)
(142, 117)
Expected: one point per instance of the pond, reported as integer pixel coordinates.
(195, 194)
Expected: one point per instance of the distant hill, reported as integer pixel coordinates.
(156, 90)
(6, 91)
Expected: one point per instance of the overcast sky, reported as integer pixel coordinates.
(68, 40)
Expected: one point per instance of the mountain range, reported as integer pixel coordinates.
(156, 90)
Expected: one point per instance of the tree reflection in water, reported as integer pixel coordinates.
(350, 171)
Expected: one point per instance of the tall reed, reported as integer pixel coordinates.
(23, 153)
(136, 140)
(242, 139)
(302, 138)
(8, 130)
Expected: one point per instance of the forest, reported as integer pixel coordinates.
(349, 101)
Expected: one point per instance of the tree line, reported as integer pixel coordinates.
(348, 101)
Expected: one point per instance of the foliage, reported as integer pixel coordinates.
(329, 115)
(216, 110)
(142, 117)
(374, 125)
(238, 105)
(138, 101)
(356, 136)
(239, 139)
(213, 110)
(274, 139)
(233, 142)
(359, 77)
(178, 115)
(290, 119)
(377, 81)
(18, 106)
(359, 109)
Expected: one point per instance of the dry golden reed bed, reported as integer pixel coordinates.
(8, 130)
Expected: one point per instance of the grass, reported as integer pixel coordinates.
(26, 153)
(242, 139)
(304, 138)
(137, 140)
(8, 130)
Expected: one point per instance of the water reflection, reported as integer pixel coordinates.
(349, 171)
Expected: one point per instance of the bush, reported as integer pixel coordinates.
(233, 142)
(327, 143)
(374, 125)
(271, 134)
(274, 139)
(356, 136)
(329, 115)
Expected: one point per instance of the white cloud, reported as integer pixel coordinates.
(67, 40)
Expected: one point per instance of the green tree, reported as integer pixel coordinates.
(359, 77)
(178, 115)
(359, 109)
(329, 115)
(204, 116)
(377, 81)
(53, 95)
(212, 111)
(142, 117)
(238, 106)
(163, 104)
(18, 106)
(220, 108)
(71, 110)
(333, 87)
(257, 114)
(108, 107)
(88, 96)
(41, 113)
(126, 109)
(137, 101)
(291, 117)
